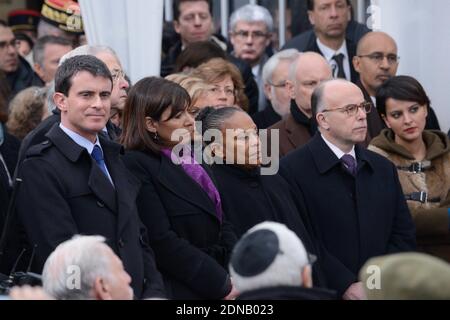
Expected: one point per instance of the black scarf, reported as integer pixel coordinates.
(302, 119)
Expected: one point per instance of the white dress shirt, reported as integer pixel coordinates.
(329, 53)
(338, 152)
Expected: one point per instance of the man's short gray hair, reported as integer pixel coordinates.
(251, 13)
(88, 50)
(83, 257)
(289, 55)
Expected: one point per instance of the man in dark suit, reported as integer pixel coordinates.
(295, 130)
(352, 196)
(330, 20)
(377, 61)
(75, 182)
(118, 97)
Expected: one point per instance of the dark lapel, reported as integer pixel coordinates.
(176, 180)
(351, 50)
(98, 182)
(323, 156)
(325, 159)
(125, 185)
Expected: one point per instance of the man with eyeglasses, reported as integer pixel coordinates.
(18, 72)
(352, 196)
(251, 28)
(275, 75)
(297, 128)
(376, 62)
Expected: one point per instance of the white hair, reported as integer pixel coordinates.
(288, 55)
(285, 270)
(82, 256)
(251, 13)
(87, 50)
(50, 92)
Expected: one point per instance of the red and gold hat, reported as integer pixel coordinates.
(64, 14)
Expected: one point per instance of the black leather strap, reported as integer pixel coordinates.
(417, 167)
(421, 197)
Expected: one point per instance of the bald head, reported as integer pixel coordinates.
(369, 39)
(339, 121)
(376, 60)
(309, 70)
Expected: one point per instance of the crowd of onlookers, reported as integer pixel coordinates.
(93, 184)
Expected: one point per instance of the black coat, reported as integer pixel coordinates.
(9, 149)
(250, 198)
(38, 135)
(266, 118)
(308, 42)
(192, 247)
(64, 193)
(288, 293)
(353, 219)
(24, 77)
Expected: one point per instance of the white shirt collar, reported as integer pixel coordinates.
(338, 152)
(374, 101)
(329, 53)
(79, 140)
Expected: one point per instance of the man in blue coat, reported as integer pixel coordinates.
(353, 198)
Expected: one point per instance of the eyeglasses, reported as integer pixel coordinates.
(5, 44)
(117, 75)
(254, 34)
(378, 58)
(280, 85)
(352, 109)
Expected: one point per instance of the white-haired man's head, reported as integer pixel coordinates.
(109, 57)
(85, 268)
(270, 255)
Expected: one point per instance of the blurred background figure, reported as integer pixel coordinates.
(271, 263)
(275, 75)
(227, 82)
(24, 22)
(54, 20)
(422, 158)
(91, 267)
(27, 110)
(47, 53)
(406, 276)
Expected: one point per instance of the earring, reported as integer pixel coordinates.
(156, 137)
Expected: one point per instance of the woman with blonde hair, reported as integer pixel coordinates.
(27, 110)
(227, 82)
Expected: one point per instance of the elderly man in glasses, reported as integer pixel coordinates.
(377, 61)
(251, 28)
(270, 263)
(352, 196)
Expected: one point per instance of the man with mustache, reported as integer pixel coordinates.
(75, 182)
(351, 196)
(377, 61)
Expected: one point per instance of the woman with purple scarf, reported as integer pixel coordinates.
(178, 200)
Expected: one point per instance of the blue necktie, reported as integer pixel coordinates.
(350, 163)
(97, 154)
